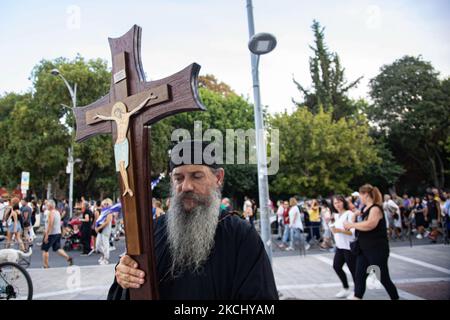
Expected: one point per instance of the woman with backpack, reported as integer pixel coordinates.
(371, 246)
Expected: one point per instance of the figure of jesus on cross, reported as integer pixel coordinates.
(120, 115)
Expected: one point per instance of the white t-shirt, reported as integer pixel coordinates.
(248, 209)
(2, 211)
(280, 212)
(343, 240)
(294, 213)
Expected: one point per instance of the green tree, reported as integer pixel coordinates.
(318, 155)
(329, 87)
(38, 129)
(411, 108)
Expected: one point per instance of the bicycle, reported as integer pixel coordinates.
(15, 282)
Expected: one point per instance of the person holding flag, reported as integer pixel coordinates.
(104, 229)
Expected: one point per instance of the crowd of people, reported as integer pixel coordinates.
(92, 228)
(358, 229)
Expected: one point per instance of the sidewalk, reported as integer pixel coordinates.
(72, 283)
(421, 272)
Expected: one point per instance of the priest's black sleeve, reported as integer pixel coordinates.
(253, 279)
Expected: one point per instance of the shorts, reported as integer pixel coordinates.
(18, 228)
(54, 241)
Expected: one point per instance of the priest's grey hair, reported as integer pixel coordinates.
(191, 234)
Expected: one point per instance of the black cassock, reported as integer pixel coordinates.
(237, 268)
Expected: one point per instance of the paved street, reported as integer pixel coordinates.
(420, 272)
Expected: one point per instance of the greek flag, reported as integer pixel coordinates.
(104, 213)
(155, 182)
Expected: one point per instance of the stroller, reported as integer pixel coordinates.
(72, 235)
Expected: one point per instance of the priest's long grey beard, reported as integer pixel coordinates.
(191, 234)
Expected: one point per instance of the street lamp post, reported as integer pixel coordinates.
(73, 95)
(259, 44)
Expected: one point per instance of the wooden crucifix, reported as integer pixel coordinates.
(126, 112)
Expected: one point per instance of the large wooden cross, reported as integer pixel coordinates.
(143, 103)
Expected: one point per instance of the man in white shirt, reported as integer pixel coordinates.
(248, 211)
(392, 216)
(3, 206)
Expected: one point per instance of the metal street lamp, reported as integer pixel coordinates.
(260, 44)
(73, 95)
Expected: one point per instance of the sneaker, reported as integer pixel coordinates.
(104, 262)
(352, 297)
(307, 246)
(100, 260)
(289, 249)
(419, 236)
(344, 293)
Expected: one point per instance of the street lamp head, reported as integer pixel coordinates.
(262, 43)
(55, 72)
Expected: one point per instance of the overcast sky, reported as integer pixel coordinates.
(213, 33)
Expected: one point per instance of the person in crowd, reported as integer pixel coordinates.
(343, 238)
(96, 214)
(433, 215)
(248, 209)
(325, 213)
(52, 235)
(446, 214)
(372, 246)
(295, 224)
(392, 214)
(103, 228)
(3, 206)
(314, 219)
(14, 226)
(280, 212)
(418, 212)
(159, 211)
(254, 211)
(25, 212)
(86, 224)
(286, 224)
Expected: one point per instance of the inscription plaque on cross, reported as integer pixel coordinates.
(127, 112)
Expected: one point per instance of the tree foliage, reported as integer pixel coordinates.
(411, 108)
(318, 155)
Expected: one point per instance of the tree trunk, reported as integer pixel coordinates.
(441, 171)
(433, 172)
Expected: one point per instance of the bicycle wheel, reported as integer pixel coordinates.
(15, 282)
